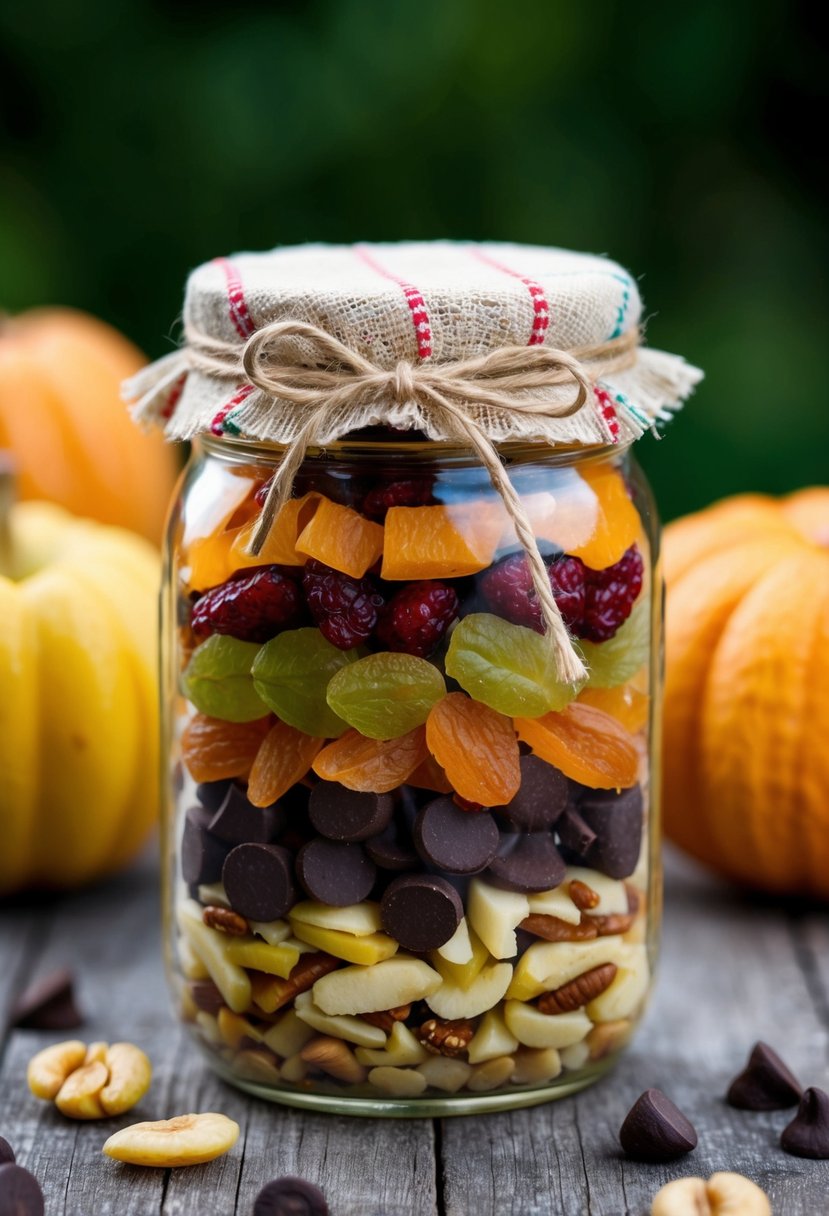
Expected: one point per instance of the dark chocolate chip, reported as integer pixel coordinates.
(290, 1197)
(48, 1004)
(389, 851)
(202, 855)
(238, 821)
(259, 881)
(20, 1193)
(6, 1152)
(421, 911)
(527, 863)
(348, 815)
(656, 1130)
(765, 1083)
(808, 1133)
(460, 842)
(573, 832)
(211, 794)
(334, 873)
(543, 795)
(206, 996)
(617, 821)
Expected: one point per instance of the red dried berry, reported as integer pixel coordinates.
(508, 590)
(253, 604)
(416, 619)
(397, 494)
(610, 595)
(345, 608)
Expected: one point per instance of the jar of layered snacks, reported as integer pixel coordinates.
(412, 672)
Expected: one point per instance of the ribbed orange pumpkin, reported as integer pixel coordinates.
(62, 417)
(746, 742)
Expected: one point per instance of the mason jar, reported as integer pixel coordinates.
(408, 870)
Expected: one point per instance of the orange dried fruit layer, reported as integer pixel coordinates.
(476, 747)
(284, 757)
(280, 544)
(441, 542)
(586, 744)
(627, 704)
(430, 776)
(212, 749)
(341, 538)
(372, 765)
(617, 523)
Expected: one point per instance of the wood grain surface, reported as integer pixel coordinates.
(734, 969)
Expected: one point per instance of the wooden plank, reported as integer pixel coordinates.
(730, 975)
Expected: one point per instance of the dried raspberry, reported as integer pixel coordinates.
(508, 590)
(345, 608)
(610, 595)
(253, 604)
(417, 617)
(397, 494)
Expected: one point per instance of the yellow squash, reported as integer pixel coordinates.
(78, 698)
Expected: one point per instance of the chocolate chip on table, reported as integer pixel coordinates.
(544, 794)
(290, 1197)
(808, 1133)
(574, 832)
(617, 821)
(527, 863)
(765, 1083)
(238, 821)
(20, 1193)
(348, 815)
(335, 873)
(47, 1004)
(211, 794)
(421, 911)
(390, 851)
(202, 855)
(655, 1130)
(6, 1152)
(259, 881)
(460, 842)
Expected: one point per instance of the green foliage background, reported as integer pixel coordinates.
(142, 137)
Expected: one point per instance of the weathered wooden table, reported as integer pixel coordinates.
(734, 970)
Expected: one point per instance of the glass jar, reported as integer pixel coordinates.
(408, 872)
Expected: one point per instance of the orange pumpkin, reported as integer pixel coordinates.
(71, 435)
(746, 761)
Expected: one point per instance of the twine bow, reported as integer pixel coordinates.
(337, 379)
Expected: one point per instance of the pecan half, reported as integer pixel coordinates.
(225, 920)
(446, 1038)
(614, 922)
(580, 991)
(552, 929)
(276, 993)
(385, 1018)
(583, 897)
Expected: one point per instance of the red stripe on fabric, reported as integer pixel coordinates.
(541, 309)
(238, 397)
(236, 302)
(607, 412)
(417, 306)
(174, 397)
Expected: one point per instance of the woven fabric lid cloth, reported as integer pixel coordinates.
(421, 305)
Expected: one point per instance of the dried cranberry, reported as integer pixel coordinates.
(345, 608)
(508, 590)
(416, 619)
(253, 604)
(610, 595)
(397, 494)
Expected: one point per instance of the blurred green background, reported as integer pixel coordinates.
(142, 137)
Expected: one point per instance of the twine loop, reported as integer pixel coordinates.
(333, 379)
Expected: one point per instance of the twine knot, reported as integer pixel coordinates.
(403, 383)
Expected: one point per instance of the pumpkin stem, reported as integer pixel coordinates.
(7, 500)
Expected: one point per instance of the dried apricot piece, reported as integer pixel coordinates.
(280, 544)
(208, 561)
(441, 542)
(617, 524)
(628, 705)
(212, 749)
(371, 765)
(586, 744)
(430, 776)
(341, 538)
(476, 747)
(284, 757)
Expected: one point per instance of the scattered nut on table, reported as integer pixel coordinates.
(184, 1140)
(722, 1195)
(90, 1082)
